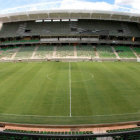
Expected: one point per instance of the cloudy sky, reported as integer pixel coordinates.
(11, 6)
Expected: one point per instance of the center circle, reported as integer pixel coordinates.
(76, 77)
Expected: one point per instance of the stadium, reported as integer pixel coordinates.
(70, 74)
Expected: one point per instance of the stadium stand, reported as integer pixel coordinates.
(32, 28)
(124, 52)
(122, 134)
(105, 51)
(6, 53)
(25, 52)
(51, 132)
(65, 51)
(77, 36)
(137, 50)
(85, 51)
(19, 41)
(8, 30)
(129, 136)
(44, 51)
(49, 135)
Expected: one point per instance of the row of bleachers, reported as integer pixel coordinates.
(9, 30)
(124, 52)
(44, 51)
(65, 51)
(7, 52)
(51, 132)
(70, 133)
(87, 51)
(51, 28)
(129, 136)
(137, 50)
(105, 52)
(126, 135)
(94, 27)
(122, 130)
(26, 52)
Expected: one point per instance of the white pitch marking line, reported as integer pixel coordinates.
(19, 115)
(70, 85)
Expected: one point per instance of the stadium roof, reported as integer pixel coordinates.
(70, 14)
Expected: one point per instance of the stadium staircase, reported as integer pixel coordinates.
(21, 29)
(137, 50)
(116, 54)
(34, 52)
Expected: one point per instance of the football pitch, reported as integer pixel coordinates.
(69, 93)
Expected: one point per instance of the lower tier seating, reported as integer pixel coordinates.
(105, 51)
(51, 132)
(129, 136)
(6, 53)
(44, 51)
(85, 51)
(44, 132)
(25, 52)
(65, 51)
(137, 50)
(49, 51)
(124, 52)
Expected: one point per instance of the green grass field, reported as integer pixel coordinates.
(69, 93)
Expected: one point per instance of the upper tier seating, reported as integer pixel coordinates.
(81, 27)
(50, 132)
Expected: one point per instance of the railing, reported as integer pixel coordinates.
(20, 41)
(120, 135)
(70, 41)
